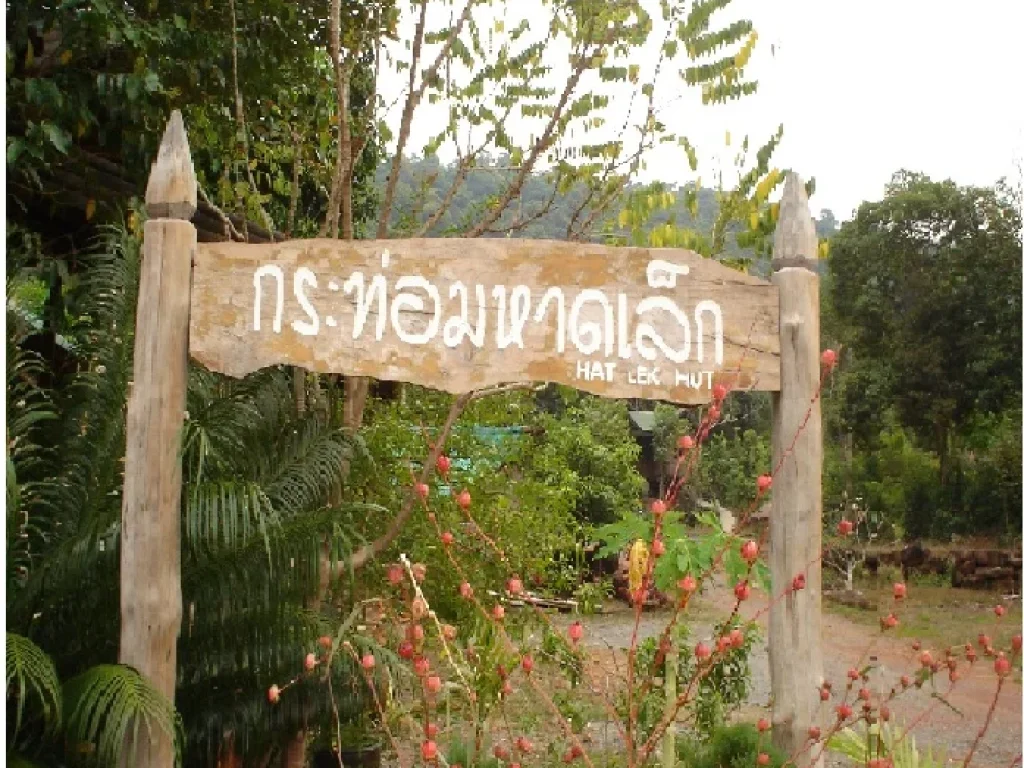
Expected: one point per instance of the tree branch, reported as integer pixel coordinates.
(545, 140)
(413, 100)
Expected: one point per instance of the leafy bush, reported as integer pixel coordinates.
(730, 746)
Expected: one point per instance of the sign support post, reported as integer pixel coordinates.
(794, 648)
(151, 508)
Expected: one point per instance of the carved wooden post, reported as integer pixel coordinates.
(151, 514)
(795, 625)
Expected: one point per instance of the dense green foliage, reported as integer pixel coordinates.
(924, 295)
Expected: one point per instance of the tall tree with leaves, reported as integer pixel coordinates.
(926, 287)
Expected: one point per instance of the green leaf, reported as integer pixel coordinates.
(59, 138)
(32, 679)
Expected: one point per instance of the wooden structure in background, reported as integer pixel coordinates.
(502, 311)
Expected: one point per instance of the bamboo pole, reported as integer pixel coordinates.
(795, 626)
(150, 514)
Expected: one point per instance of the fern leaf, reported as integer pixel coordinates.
(108, 699)
(31, 675)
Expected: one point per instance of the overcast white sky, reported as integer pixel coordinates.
(862, 88)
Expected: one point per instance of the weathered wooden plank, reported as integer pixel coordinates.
(794, 651)
(462, 314)
(150, 513)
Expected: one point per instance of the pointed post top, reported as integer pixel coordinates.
(796, 241)
(171, 191)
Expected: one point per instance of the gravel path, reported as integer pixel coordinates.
(849, 644)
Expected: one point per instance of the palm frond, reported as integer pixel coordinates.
(227, 514)
(107, 702)
(32, 679)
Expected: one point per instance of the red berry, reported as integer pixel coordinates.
(274, 694)
(447, 538)
(763, 759)
(844, 711)
(658, 507)
(799, 582)
(506, 688)
(764, 482)
(575, 631)
(884, 713)
(926, 659)
(905, 681)
(419, 609)
(1015, 642)
(916, 645)
(368, 661)
(414, 633)
(464, 499)
(714, 412)
(736, 638)
(448, 632)
(984, 640)
(824, 694)
(515, 585)
(814, 733)
(1000, 610)
(1002, 666)
(719, 392)
(325, 641)
(899, 590)
(864, 694)
(890, 621)
(657, 547)
(742, 590)
(431, 730)
(422, 490)
(395, 574)
(498, 612)
(971, 655)
(433, 683)
(763, 725)
(722, 644)
(853, 674)
(527, 664)
(828, 358)
(501, 752)
(421, 666)
(688, 584)
(405, 650)
(523, 744)
(749, 550)
(686, 442)
(444, 464)
(429, 750)
(701, 651)
(466, 590)
(310, 661)
(576, 751)
(845, 527)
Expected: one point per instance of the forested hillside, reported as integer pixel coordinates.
(424, 182)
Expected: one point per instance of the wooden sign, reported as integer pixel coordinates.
(463, 314)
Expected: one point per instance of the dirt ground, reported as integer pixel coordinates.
(854, 643)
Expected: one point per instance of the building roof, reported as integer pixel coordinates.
(642, 421)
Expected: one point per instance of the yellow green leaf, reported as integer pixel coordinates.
(90, 209)
(823, 249)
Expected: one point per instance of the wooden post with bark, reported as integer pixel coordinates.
(795, 625)
(151, 514)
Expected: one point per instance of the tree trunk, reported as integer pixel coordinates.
(295, 753)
